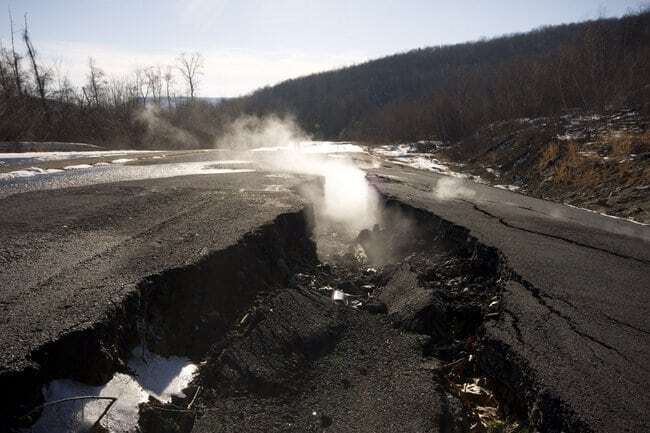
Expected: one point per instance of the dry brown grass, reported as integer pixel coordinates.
(549, 155)
(628, 144)
(568, 166)
(622, 146)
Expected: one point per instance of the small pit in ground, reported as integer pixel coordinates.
(285, 330)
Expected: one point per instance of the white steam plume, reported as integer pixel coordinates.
(280, 145)
(159, 128)
(450, 188)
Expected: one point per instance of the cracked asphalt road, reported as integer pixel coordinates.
(67, 254)
(577, 305)
(576, 308)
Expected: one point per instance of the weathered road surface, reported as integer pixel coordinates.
(577, 307)
(575, 314)
(68, 256)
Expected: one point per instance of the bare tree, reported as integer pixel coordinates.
(190, 65)
(15, 58)
(41, 77)
(5, 73)
(96, 81)
(65, 91)
(140, 85)
(168, 76)
(154, 83)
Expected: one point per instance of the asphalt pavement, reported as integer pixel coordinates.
(576, 308)
(577, 305)
(67, 254)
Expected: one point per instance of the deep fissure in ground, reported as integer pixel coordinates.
(261, 314)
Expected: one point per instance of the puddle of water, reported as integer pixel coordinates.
(153, 375)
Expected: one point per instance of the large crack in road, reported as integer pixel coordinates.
(301, 326)
(261, 320)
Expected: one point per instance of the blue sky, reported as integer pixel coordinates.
(251, 43)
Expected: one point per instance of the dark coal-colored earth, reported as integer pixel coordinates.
(544, 306)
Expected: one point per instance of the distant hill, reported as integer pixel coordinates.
(448, 92)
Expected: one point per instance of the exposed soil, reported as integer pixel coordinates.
(600, 161)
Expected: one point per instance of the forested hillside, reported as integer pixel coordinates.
(448, 92)
(444, 93)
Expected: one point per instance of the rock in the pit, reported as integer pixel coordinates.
(157, 419)
(375, 307)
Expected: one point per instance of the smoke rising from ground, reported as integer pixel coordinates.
(278, 144)
(450, 188)
(160, 129)
(250, 132)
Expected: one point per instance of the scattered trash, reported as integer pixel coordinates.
(355, 303)
(487, 414)
(339, 297)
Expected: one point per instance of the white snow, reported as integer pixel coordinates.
(55, 156)
(607, 215)
(230, 162)
(28, 172)
(152, 375)
(208, 170)
(512, 188)
(123, 160)
(280, 175)
(393, 150)
(312, 147)
(77, 167)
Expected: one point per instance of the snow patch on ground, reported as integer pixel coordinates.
(230, 162)
(28, 172)
(57, 156)
(512, 188)
(311, 147)
(280, 176)
(210, 170)
(77, 167)
(153, 375)
(394, 150)
(607, 215)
